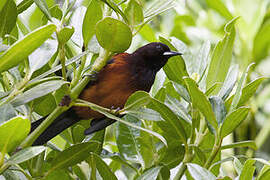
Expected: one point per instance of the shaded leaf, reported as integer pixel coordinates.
(151, 173)
(199, 173)
(8, 18)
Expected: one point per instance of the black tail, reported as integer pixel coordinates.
(61, 123)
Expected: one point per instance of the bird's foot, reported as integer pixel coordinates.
(115, 110)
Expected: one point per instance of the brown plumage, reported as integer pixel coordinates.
(123, 75)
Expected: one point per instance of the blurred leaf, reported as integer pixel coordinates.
(211, 89)
(233, 120)
(24, 47)
(229, 83)
(220, 8)
(237, 165)
(219, 109)
(134, 12)
(7, 111)
(78, 134)
(103, 168)
(156, 8)
(44, 8)
(2, 4)
(200, 154)
(73, 155)
(182, 91)
(12, 133)
(65, 34)
(261, 43)
(264, 173)
(112, 5)
(25, 4)
(55, 12)
(200, 173)
(238, 92)
(127, 141)
(175, 68)
(200, 101)
(8, 17)
(248, 170)
(148, 33)
(151, 173)
(37, 91)
(250, 144)
(113, 35)
(26, 154)
(222, 55)
(92, 16)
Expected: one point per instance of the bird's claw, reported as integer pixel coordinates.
(115, 110)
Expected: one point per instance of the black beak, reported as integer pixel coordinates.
(171, 53)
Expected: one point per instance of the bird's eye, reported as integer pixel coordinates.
(159, 47)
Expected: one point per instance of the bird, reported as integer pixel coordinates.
(123, 75)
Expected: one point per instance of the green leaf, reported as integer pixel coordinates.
(237, 96)
(145, 114)
(65, 34)
(250, 144)
(25, 4)
(200, 101)
(113, 35)
(219, 109)
(175, 68)
(92, 16)
(8, 18)
(116, 9)
(237, 165)
(219, 6)
(261, 43)
(2, 4)
(12, 133)
(200, 173)
(151, 173)
(73, 155)
(137, 100)
(26, 154)
(20, 50)
(148, 33)
(222, 55)
(229, 83)
(202, 58)
(37, 91)
(233, 120)
(44, 8)
(7, 111)
(134, 12)
(127, 141)
(248, 170)
(103, 169)
(171, 125)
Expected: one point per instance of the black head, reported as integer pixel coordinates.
(155, 55)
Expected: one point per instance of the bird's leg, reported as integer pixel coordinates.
(115, 111)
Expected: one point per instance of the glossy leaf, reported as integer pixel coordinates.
(137, 100)
(24, 47)
(113, 35)
(73, 155)
(65, 34)
(248, 170)
(26, 154)
(200, 173)
(222, 55)
(103, 169)
(233, 120)
(175, 68)
(8, 18)
(12, 133)
(44, 8)
(200, 101)
(25, 4)
(219, 109)
(151, 173)
(37, 91)
(239, 88)
(250, 144)
(229, 83)
(127, 141)
(92, 16)
(7, 112)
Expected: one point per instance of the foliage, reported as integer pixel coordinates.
(182, 128)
